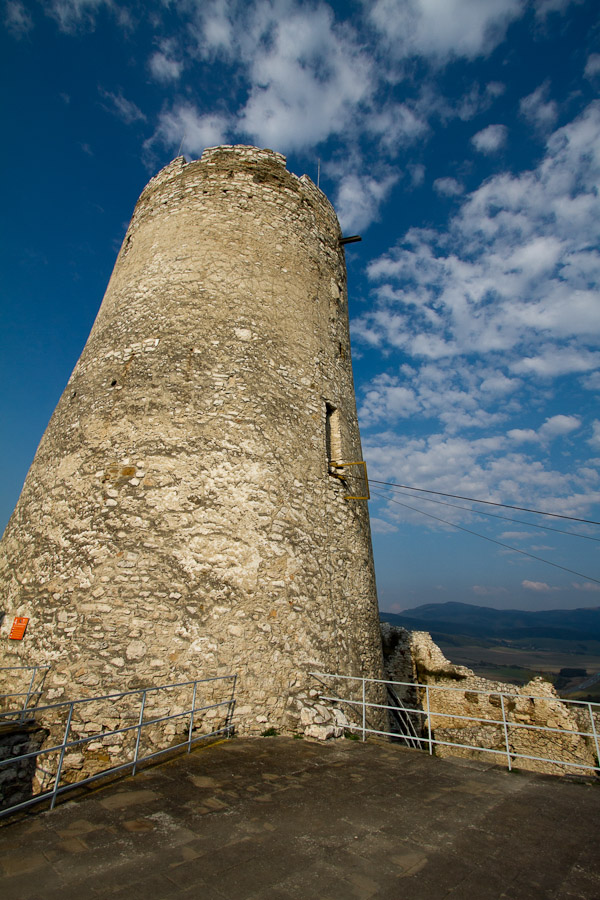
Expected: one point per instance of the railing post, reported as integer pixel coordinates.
(139, 732)
(429, 720)
(505, 725)
(594, 732)
(192, 717)
(229, 719)
(62, 756)
(29, 690)
(364, 711)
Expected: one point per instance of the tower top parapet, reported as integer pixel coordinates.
(264, 166)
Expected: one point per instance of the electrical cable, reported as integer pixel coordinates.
(538, 512)
(491, 540)
(480, 512)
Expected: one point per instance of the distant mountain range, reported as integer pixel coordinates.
(500, 624)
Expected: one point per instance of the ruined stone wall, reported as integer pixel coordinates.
(412, 656)
(180, 519)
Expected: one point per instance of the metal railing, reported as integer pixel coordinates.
(8, 707)
(430, 713)
(76, 714)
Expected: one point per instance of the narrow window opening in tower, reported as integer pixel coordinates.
(333, 438)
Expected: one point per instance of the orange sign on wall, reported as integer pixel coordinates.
(19, 627)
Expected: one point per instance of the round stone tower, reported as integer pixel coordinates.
(186, 513)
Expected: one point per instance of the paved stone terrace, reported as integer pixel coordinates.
(282, 818)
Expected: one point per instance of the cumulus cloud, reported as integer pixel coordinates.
(555, 426)
(183, 126)
(538, 586)
(397, 125)
(592, 66)
(514, 272)
(17, 19)
(443, 29)
(359, 197)
(380, 526)
(594, 440)
(417, 174)
(538, 109)
(490, 139)
(308, 77)
(455, 394)
(164, 65)
(483, 467)
(448, 187)
(213, 28)
(485, 314)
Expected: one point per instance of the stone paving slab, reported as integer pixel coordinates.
(279, 818)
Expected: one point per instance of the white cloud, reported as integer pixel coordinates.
(559, 425)
(594, 440)
(555, 426)
(538, 586)
(17, 19)
(397, 125)
(184, 126)
(308, 77)
(74, 14)
(490, 139)
(417, 174)
(592, 66)
(554, 361)
(359, 197)
(380, 526)
(448, 187)
(586, 586)
(591, 382)
(523, 435)
(443, 29)
(481, 467)
(430, 104)
(514, 272)
(537, 109)
(125, 109)
(164, 65)
(456, 394)
(214, 29)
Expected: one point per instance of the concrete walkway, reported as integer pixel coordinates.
(281, 818)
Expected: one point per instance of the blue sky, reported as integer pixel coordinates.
(461, 138)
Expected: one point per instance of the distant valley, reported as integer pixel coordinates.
(514, 645)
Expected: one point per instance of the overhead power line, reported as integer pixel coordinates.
(485, 538)
(538, 512)
(480, 512)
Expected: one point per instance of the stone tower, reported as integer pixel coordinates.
(184, 514)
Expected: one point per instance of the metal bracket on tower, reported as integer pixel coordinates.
(367, 494)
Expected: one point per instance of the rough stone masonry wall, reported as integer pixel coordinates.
(179, 519)
(412, 656)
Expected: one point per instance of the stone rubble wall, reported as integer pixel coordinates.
(180, 519)
(412, 656)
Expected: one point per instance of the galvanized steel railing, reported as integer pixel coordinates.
(32, 697)
(362, 708)
(46, 715)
